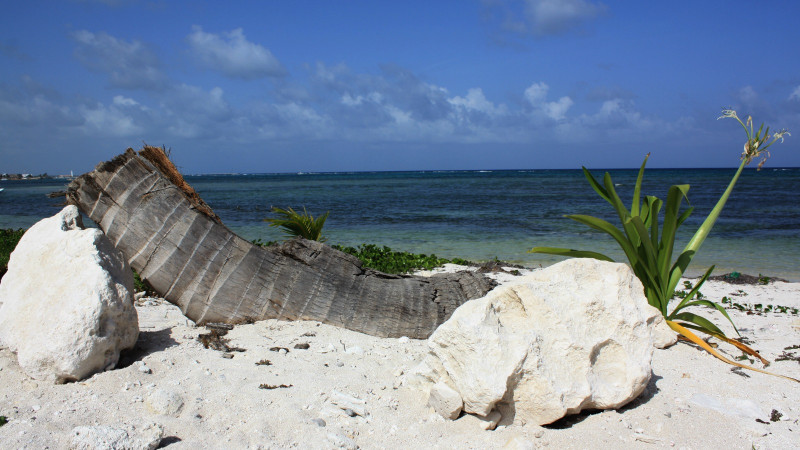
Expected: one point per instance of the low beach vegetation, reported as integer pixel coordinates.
(647, 240)
(9, 238)
(296, 224)
(386, 260)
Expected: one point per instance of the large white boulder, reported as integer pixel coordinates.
(576, 335)
(66, 302)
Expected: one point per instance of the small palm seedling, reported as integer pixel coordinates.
(650, 250)
(295, 224)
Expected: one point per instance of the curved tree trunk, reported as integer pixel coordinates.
(176, 243)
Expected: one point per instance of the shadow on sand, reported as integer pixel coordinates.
(148, 342)
(568, 421)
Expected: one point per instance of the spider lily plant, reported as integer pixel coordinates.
(649, 248)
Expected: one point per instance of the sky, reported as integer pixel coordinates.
(309, 86)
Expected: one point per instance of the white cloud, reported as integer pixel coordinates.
(124, 101)
(795, 95)
(130, 65)
(373, 97)
(476, 101)
(108, 121)
(233, 55)
(558, 16)
(558, 110)
(196, 113)
(619, 118)
(536, 94)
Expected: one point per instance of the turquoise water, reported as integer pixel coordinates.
(481, 215)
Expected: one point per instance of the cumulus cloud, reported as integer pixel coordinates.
(475, 100)
(337, 105)
(130, 65)
(619, 117)
(536, 95)
(233, 55)
(108, 121)
(193, 112)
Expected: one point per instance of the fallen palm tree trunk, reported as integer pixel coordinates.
(182, 249)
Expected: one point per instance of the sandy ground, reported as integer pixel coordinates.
(266, 397)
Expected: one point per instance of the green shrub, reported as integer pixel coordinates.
(9, 238)
(387, 260)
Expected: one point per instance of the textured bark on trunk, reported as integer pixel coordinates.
(176, 243)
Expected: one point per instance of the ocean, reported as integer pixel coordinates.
(483, 215)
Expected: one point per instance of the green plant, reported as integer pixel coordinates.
(3, 420)
(262, 243)
(295, 224)
(9, 238)
(386, 260)
(140, 285)
(649, 249)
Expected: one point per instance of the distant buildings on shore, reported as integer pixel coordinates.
(27, 176)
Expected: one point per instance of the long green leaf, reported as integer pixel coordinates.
(642, 271)
(646, 244)
(675, 196)
(570, 253)
(653, 207)
(637, 190)
(685, 215)
(614, 199)
(700, 235)
(716, 306)
(693, 291)
(595, 185)
(602, 225)
(701, 322)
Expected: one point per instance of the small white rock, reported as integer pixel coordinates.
(345, 402)
(354, 350)
(445, 401)
(163, 401)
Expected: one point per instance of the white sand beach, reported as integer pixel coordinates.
(275, 394)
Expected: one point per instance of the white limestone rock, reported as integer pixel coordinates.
(445, 401)
(101, 437)
(66, 302)
(573, 336)
(663, 335)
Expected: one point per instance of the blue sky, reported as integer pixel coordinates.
(287, 86)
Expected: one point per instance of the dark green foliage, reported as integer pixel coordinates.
(262, 243)
(387, 260)
(140, 285)
(8, 241)
(3, 420)
(296, 224)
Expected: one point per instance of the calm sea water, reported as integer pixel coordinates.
(481, 215)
